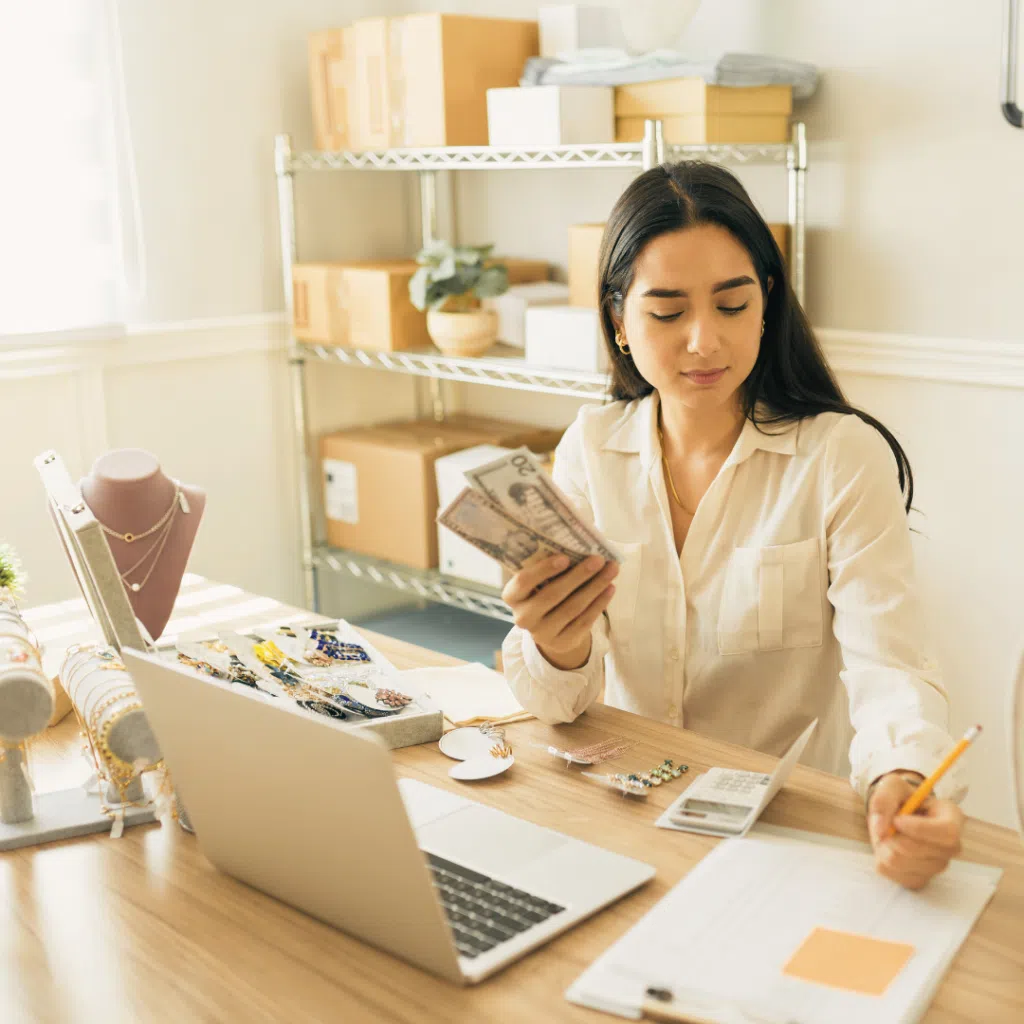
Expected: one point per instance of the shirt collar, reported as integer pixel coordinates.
(636, 433)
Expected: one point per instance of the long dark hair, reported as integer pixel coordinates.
(791, 378)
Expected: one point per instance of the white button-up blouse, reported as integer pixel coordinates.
(793, 597)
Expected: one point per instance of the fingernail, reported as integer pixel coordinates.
(594, 562)
(561, 562)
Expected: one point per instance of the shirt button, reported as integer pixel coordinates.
(674, 654)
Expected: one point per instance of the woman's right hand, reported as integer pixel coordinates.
(558, 608)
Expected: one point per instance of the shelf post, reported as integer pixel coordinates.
(428, 234)
(796, 164)
(296, 363)
(653, 153)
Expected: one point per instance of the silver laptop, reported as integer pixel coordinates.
(296, 806)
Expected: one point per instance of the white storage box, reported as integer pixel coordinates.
(567, 337)
(511, 307)
(458, 557)
(565, 28)
(551, 115)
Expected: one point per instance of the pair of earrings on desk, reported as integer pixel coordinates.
(641, 783)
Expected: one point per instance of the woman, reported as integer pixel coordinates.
(766, 573)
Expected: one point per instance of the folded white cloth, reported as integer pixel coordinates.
(616, 67)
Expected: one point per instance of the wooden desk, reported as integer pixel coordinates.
(97, 931)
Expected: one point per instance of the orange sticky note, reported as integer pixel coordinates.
(856, 963)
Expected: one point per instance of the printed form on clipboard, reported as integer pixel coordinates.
(787, 927)
(725, 801)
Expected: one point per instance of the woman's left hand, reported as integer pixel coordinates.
(924, 842)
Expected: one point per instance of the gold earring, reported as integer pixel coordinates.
(762, 328)
(621, 342)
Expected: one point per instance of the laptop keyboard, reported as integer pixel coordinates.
(482, 912)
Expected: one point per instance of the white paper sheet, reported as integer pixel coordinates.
(465, 693)
(720, 939)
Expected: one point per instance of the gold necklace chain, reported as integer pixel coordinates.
(668, 475)
(131, 538)
(156, 550)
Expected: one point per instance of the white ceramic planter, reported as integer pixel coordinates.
(463, 334)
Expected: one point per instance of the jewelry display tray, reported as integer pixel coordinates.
(422, 721)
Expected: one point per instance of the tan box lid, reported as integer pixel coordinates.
(695, 96)
(406, 437)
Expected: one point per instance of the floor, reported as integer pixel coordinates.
(441, 628)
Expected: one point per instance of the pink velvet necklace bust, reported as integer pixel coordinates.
(129, 494)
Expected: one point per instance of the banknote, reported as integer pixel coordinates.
(507, 540)
(518, 484)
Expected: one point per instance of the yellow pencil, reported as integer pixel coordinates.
(924, 790)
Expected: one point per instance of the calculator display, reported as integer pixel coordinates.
(702, 807)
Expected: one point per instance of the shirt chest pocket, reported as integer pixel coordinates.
(771, 599)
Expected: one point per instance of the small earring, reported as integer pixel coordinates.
(762, 328)
(621, 342)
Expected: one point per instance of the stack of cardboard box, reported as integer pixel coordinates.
(419, 80)
(693, 112)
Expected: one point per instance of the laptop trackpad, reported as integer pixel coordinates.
(487, 840)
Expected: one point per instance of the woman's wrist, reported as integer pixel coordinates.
(914, 778)
(567, 661)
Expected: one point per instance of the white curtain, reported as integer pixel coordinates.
(61, 265)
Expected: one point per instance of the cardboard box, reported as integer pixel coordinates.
(565, 28)
(380, 490)
(584, 260)
(522, 271)
(458, 557)
(511, 307)
(328, 80)
(695, 96)
(358, 304)
(696, 129)
(550, 115)
(422, 80)
(567, 337)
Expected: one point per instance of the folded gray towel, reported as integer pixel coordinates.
(615, 67)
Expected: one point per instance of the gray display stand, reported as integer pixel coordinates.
(64, 815)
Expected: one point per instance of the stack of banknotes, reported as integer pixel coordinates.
(514, 512)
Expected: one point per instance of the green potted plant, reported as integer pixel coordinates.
(449, 284)
(12, 578)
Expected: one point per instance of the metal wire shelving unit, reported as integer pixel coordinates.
(502, 367)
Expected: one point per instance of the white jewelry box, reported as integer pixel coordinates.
(567, 337)
(511, 307)
(551, 115)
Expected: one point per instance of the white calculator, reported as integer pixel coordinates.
(727, 801)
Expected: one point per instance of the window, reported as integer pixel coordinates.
(60, 251)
